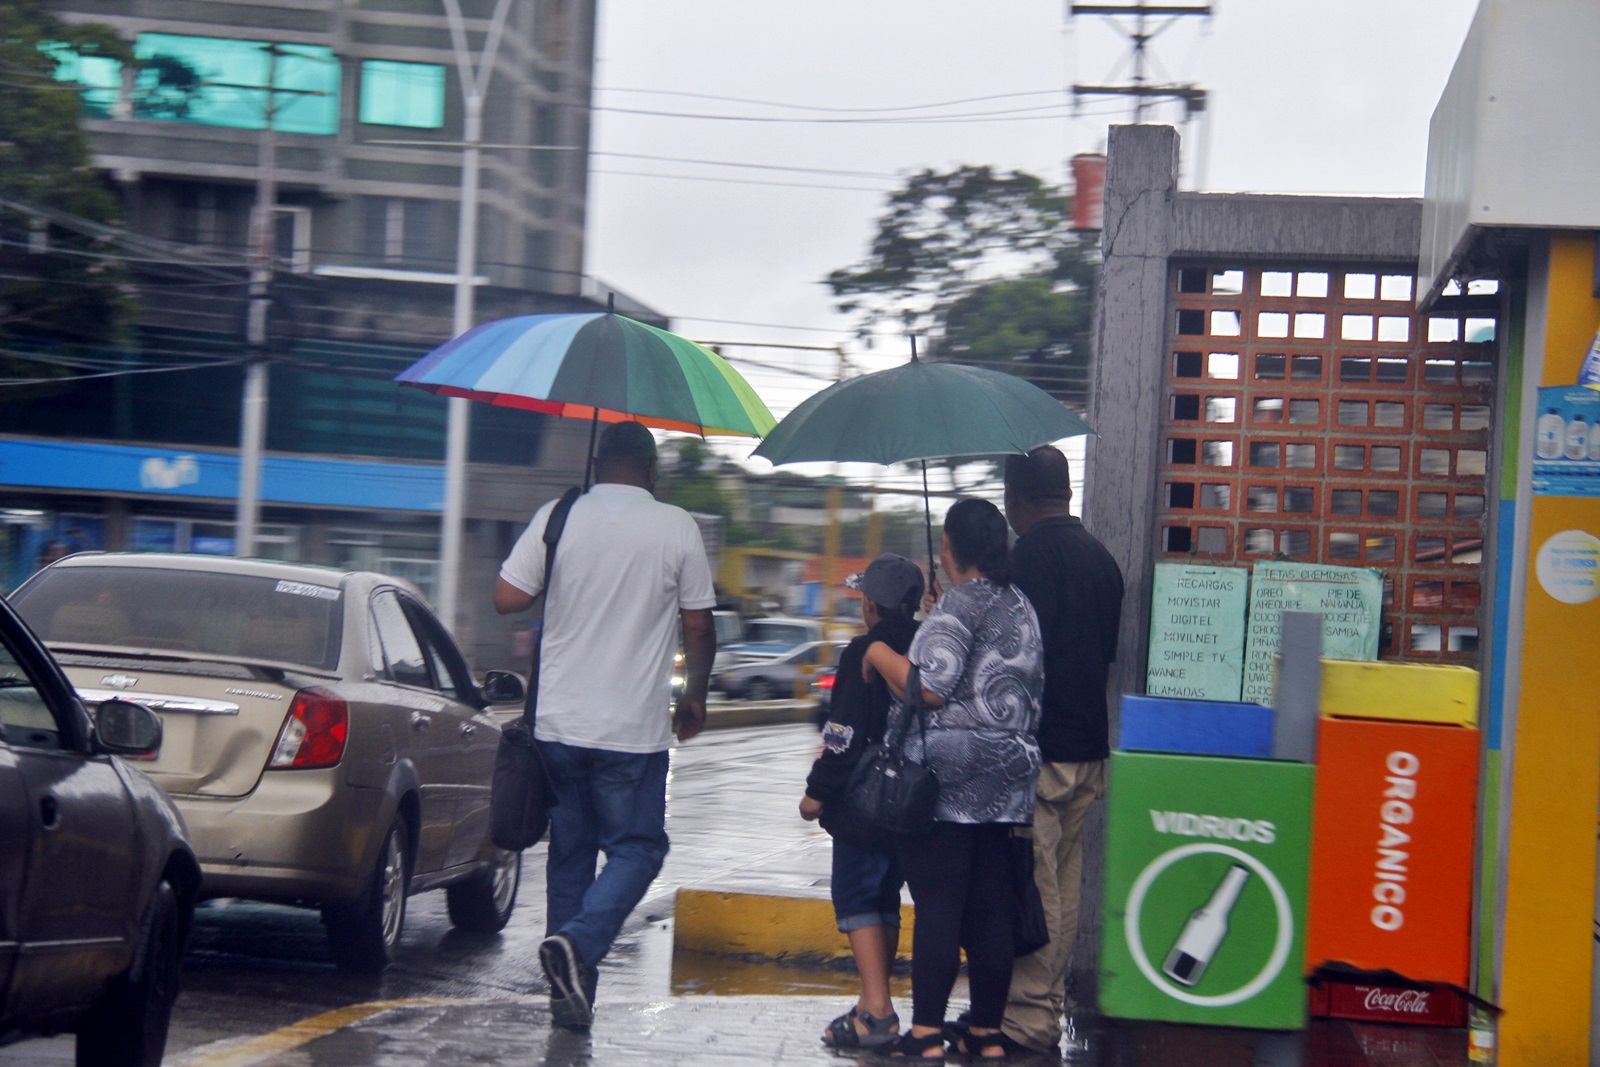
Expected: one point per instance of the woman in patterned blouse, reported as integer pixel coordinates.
(981, 671)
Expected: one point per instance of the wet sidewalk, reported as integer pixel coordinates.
(780, 1031)
(735, 833)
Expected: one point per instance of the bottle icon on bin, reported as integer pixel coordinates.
(1201, 936)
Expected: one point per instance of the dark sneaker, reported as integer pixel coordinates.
(569, 1004)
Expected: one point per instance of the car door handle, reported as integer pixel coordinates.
(49, 813)
(467, 729)
(420, 721)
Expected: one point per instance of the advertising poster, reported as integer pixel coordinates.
(1566, 443)
(1350, 600)
(1197, 631)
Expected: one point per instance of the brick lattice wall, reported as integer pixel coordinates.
(1312, 414)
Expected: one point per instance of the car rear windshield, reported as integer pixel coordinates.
(784, 635)
(186, 611)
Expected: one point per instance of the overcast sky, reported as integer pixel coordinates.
(823, 107)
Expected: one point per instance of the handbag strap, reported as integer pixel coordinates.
(913, 697)
(553, 528)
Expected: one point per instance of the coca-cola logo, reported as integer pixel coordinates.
(1401, 1001)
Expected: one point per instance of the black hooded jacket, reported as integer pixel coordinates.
(857, 714)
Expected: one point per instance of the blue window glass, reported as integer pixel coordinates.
(98, 77)
(402, 94)
(223, 82)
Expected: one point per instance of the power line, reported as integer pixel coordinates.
(741, 181)
(1025, 114)
(825, 108)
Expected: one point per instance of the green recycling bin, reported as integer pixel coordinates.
(1206, 873)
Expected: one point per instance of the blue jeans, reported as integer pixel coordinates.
(865, 888)
(607, 802)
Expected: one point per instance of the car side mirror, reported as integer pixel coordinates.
(504, 687)
(127, 729)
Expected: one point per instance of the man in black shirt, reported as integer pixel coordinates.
(1075, 586)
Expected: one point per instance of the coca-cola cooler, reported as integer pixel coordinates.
(1388, 1003)
(1206, 871)
(1392, 852)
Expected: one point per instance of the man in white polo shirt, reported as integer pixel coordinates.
(626, 570)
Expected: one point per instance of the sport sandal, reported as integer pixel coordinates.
(910, 1047)
(842, 1032)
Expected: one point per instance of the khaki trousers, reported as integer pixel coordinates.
(1038, 981)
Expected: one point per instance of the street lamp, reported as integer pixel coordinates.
(474, 87)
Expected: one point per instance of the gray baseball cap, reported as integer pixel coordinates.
(890, 580)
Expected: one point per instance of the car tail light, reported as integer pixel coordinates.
(314, 731)
(826, 681)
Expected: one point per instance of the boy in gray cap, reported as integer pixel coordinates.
(866, 879)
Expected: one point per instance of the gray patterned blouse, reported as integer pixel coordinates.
(979, 650)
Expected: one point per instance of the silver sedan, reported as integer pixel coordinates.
(324, 738)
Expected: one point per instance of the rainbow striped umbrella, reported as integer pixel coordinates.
(594, 365)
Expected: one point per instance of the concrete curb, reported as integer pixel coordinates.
(791, 929)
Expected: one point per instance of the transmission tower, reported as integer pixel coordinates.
(1136, 20)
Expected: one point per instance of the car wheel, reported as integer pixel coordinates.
(128, 1028)
(760, 689)
(363, 934)
(483, 903)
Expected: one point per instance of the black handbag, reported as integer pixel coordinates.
(1030, 931)
(521, 793)
(888, 793)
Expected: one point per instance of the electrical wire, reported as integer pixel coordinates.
(742, 181)
(825, 108)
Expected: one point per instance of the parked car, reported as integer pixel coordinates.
(822, 687)
(778, 677)
(97, 879)
(772, 637)
(324, 739)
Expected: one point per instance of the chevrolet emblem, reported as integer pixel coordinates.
(120, 681)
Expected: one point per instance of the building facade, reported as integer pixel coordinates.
(367, 119)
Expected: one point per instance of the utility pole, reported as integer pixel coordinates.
(253, 415)
(1140, 88)
(474, 87)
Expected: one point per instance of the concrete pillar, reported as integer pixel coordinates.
(1127, 383)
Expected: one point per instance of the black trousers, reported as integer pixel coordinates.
(960, 880)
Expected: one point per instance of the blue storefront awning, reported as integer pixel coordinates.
(303, 480)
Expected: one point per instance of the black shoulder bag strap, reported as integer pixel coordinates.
(552, 536)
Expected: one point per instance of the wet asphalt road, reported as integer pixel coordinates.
(255, 968)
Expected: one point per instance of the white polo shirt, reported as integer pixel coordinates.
(625, 567)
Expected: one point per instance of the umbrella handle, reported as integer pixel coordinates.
(927, 515)
(588, 459)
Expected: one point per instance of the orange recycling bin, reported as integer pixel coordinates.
(1391, 848)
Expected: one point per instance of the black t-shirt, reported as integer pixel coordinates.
(1075, 586)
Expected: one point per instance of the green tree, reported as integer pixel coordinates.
(985, 265)
(61, 285)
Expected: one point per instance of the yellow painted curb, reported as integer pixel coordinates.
(1405, 692)
(767, 927)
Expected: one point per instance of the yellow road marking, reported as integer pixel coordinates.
(258, 1049)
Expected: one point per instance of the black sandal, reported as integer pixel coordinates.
(975, 1046)
(842, 1032)
(909, 1047)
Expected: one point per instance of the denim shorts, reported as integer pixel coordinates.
(866, 888)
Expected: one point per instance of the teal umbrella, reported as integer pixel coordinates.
(918, 412)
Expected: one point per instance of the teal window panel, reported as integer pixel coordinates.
(224, 82)
(402, 94)
(98, 78)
